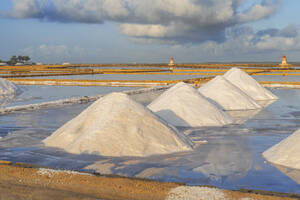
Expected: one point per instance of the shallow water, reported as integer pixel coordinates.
(123, 77)
(278, 78)
(230, 159)
(32, 94)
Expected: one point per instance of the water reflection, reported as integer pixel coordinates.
(241, 116)
(5, 100)
(231, 158)
(37, 94)
(222, 159)
(294, 174)
(266, 103)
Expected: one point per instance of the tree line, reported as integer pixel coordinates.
(17, 59)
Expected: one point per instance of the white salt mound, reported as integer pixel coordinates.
(285, 153)
(248, 85)
(115, 125)
(7, 88)
(182, 105)
(227, 95)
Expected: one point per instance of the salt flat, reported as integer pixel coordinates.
(22, 136)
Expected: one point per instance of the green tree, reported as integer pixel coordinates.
(13, 60)
(20, 59)
(26, 58)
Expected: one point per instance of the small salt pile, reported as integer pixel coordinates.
(228, 96)
(7, 88)
(182, 105)
(115, 125)
(285, 153)
(248, 85)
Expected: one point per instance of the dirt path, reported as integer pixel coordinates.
(20, 181)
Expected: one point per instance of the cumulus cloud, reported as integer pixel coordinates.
(245, 41)
(182, 21)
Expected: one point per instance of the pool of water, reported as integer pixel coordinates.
(230, 159)
(277, 78)
(123, 77)
(32, 94)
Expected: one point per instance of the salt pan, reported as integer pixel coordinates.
(182, 105)
(248, 85)
(285, 153)
(115, 125)
(228, 96)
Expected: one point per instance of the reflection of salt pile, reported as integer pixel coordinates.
(248, 85)
(182, 105)
(285, 153)
(241, 116)
(115, 125)
(230, 158)
(7, 88)
(227, 95)
(294, 174)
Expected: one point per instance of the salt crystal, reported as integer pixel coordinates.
(115, 125)
(228, 96)
(285, 153)
(248, 85)
(182, 105)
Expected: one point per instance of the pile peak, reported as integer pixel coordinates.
(183, 105)
(248, 84)
(286, 153)
(115, 125)
(228, 96)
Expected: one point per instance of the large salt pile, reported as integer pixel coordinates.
(182, 105)
(227, 95)
(248, 85)
(285, 153)
(115, 125)
(7, 88)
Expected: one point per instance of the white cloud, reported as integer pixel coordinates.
(25, 8)
(178, 20)
(242, 43)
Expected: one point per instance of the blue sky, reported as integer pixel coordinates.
(189, 30)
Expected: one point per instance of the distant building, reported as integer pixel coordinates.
(39, 63)
(3, 64)
(66, 63)
(171, 63)
(28, 63)
(19, 64)
(284, 63)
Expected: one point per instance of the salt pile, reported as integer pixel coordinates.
(115, 125)
(7, 88)
(248, 85)
(228, 96)
(285, 153)
(182, 105)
